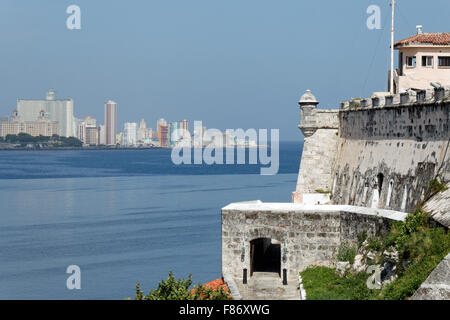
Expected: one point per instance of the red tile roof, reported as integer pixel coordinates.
(439, 39)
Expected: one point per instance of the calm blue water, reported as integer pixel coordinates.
(122, 216)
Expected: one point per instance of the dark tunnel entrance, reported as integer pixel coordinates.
(265, 255)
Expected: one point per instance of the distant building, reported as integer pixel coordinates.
(130, 134)
(110, 122)
(88, 132)
(159, 123)
(102, 134)
(163, 136)
(184, 125)
(60, 110)
(173, 134)
(142, 130)
(119, 138)
(92, 136)
(144, 134)
(423, 58)
(41, 126)
(149, 133)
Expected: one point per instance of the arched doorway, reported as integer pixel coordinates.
(265, 256)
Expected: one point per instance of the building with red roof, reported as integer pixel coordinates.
(424, 58)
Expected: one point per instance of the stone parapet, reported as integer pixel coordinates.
(410, 97)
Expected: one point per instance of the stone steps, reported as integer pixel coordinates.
(268, 286)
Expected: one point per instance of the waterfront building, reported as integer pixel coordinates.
(159, 123)
(88, 132)
(130, 134)
(184, 125)
(119, 138)
(41, 126)
(199, 131)
(149, 133)
(423, 58)
(78, 128)
(92, 136)
(173, 134)
(59, 110)
(142, 130)
(110, 122)
(102, 134)
(163, 137)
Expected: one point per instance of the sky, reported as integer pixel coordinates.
(232, 64)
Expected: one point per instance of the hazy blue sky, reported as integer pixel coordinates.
(231, 63)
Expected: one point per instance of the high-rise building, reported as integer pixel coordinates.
(164, 141)
(173, 134)
(110, 122)
(130, 133)
(102, 134)
(159, 123)
(59, 110)
(184, 125)
(142, 131)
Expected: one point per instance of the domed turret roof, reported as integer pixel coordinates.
(308, 98)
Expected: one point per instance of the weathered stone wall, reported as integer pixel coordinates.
(320, 128)
(418, 122)
(312, 234)
(318, 156)
(387, 156)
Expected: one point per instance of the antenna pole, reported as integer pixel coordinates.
(392, 49)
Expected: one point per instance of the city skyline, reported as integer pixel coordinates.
(219, 73)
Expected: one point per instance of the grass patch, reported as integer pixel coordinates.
(322, 283)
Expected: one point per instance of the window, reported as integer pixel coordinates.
(427, 61)
(444, 61)
(411, 62)
(380, 182)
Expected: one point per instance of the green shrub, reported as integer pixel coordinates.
(173, 289)
(346, 253)
(361, 238)
(436, 185)
(374, 244)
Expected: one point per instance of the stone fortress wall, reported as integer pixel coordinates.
(362, 167)
(388, 149)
